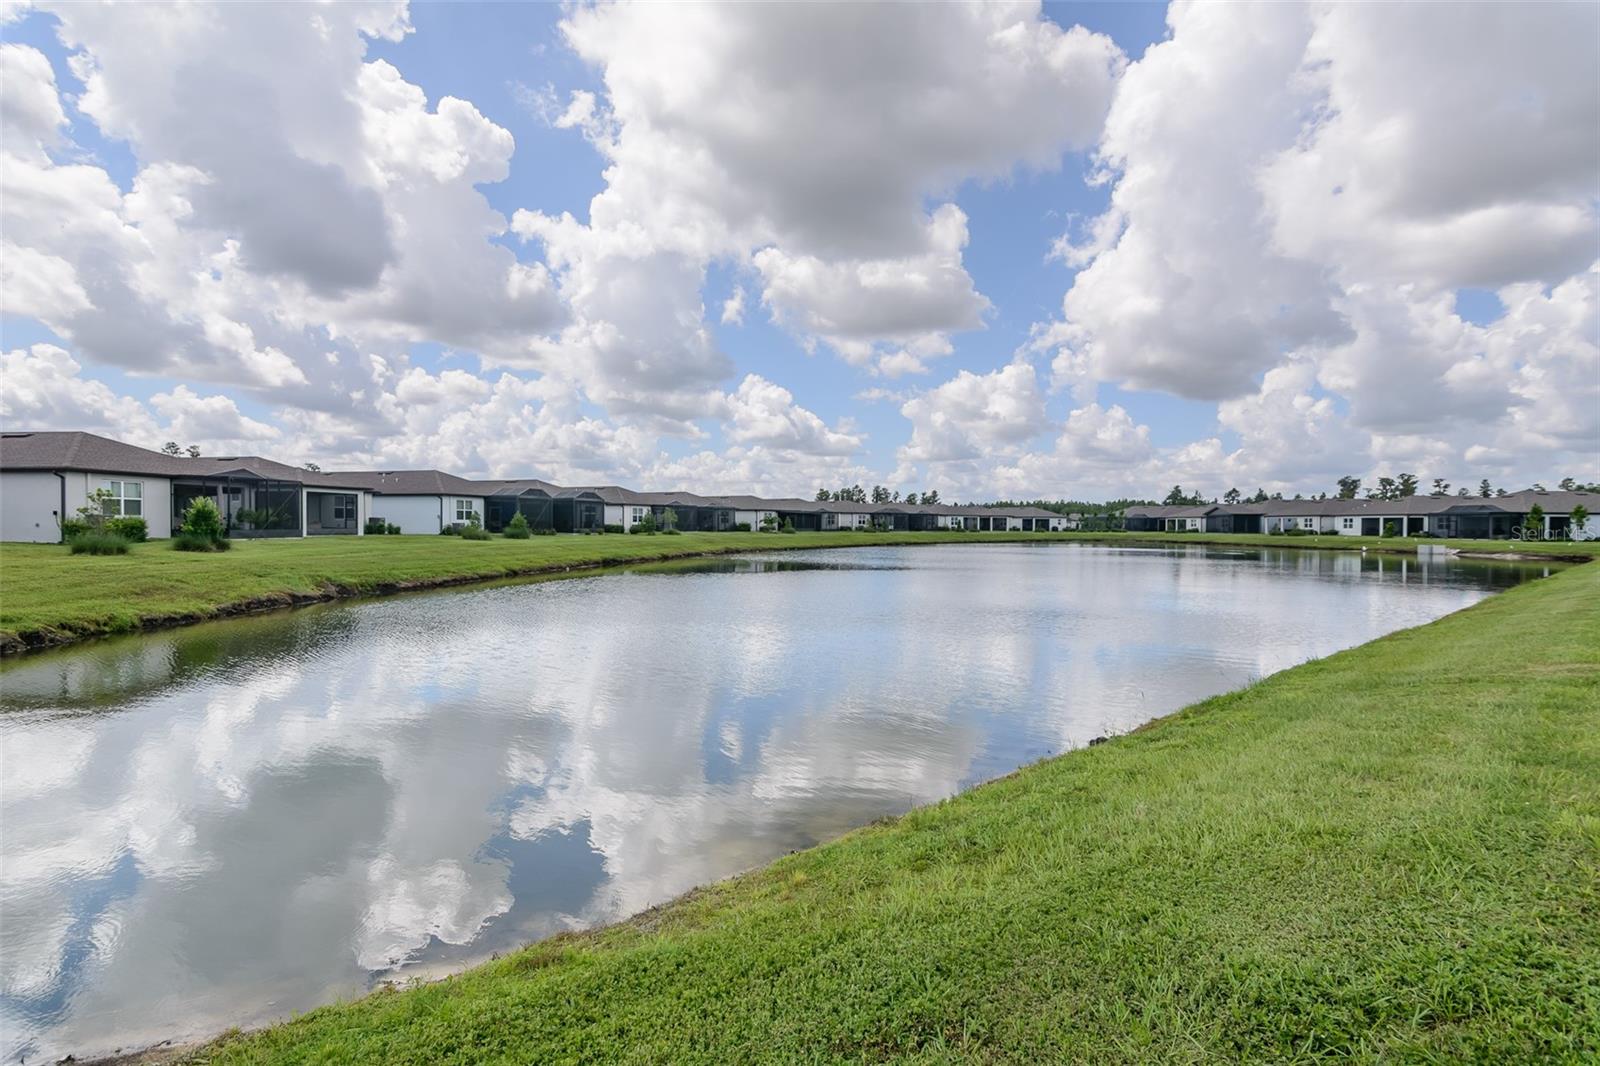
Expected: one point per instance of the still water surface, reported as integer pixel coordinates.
(225, 824)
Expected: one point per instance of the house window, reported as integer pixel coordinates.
(638, 515)
(1348, 523)
(344, 508)
(1308, 522)
(465, 512)
(127, 497)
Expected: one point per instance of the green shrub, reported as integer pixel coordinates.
(376, 526)
(202, 529)
(195, 542)
(203, 519)
(74, 527)
(741, 527)
(131, 528)
(103, 543)
(473, 531)
(517, 528)
(452, 530)
(788, 526)
(614, 529)
(1388, 529)
(391, 529)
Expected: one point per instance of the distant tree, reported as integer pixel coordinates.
(1441, 487)
(1534, 521)
(930, 497)
(1500, 492)
(1387, 490)
(194, 451)
(171, 448)
(1277, 495)
(1348, 487)
(1538, 487)
(314, 468)
(1176, 497)
(1579, 517)
(1463, 491)
(1259, 497)
(896, 497)
(880, 494)
(669, 519)
(1231, 496)
(1568, 484)
(1484, 490)
(1407, 486)
(1297, 496)
(824, 494)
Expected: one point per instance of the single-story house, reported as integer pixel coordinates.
(46, 477)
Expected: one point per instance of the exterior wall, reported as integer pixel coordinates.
(29, 502)
(612, 515)
(321, 502)
(413, 514)
(156, 498)
(1339, 526)
(752, 517)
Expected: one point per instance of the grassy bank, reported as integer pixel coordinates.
(1390, 854)
(48, 596)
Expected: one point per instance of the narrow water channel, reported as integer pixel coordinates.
(226, 824)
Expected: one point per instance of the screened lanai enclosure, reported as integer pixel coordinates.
(694, 518)
(254, 507)
(535, 505)
(250, 506)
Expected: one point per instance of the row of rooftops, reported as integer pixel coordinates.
(1553, 501)
(68, 450)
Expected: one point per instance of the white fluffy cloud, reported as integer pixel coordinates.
(975, 416)
(812, 137)
(1306, 187)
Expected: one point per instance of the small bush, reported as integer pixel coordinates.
(672, 532)
(517, 528)
(546, 532)
(376, 526)
(194, 542)
(452, 530)
(391, 529)
(741, 527)
(613, 529)
(98, 544)
(1388, 529)
(131, 528)
(788, 526)
(73, 528)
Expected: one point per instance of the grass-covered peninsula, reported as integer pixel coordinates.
(49, 596)
(1392, 854)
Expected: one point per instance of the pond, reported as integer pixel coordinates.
(225, 824)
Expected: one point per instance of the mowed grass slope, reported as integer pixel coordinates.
(1392, 854)
(48, 595)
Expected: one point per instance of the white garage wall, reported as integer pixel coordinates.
(413, 514)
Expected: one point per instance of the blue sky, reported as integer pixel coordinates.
(1245, 316)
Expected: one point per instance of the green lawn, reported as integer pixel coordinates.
(1392, 854)
(50, 596)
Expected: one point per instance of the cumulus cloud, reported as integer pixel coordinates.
(972, 416)
(1290, 222)
(813, 138)
(760, 412)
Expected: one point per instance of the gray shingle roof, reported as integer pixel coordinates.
(61, 450)
(413, 482)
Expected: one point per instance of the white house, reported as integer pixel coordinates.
(46, 477)
(422, 501)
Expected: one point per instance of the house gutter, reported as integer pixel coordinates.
(61, 515)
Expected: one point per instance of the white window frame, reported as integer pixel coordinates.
(344, 508)
(116, 506)
(1348, 523)
(465, 511)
